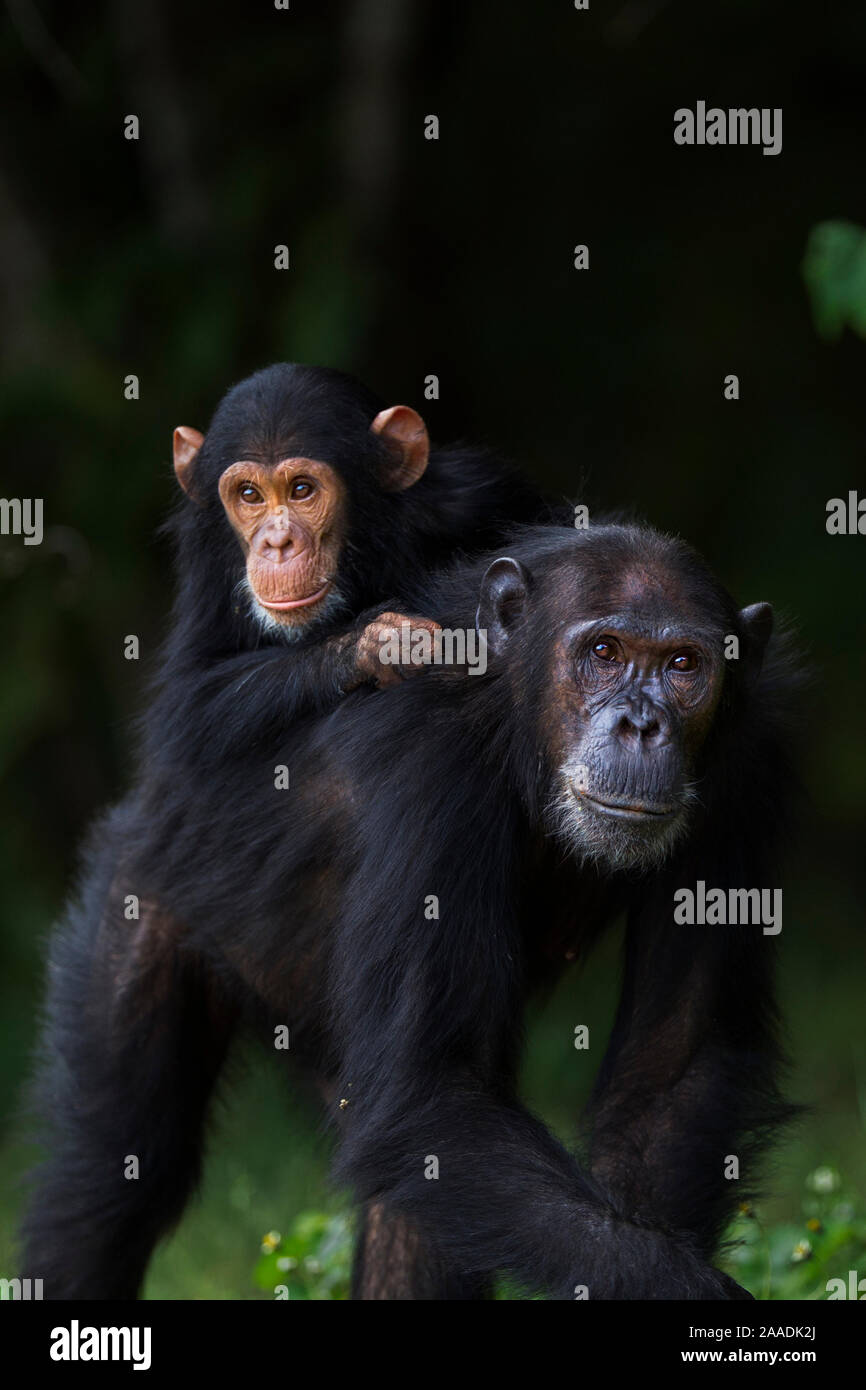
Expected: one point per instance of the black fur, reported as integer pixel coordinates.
(306, 907)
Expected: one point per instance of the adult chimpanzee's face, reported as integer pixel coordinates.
(633, 697)
(628, 688)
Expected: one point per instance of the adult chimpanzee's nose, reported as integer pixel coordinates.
(642, 722)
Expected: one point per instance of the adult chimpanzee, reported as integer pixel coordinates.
(308, 504)
(445, 846)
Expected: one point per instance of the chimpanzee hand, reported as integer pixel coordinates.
(701, 1283)
(652, 1264)
(366, 652)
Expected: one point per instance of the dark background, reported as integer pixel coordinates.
(411, 257)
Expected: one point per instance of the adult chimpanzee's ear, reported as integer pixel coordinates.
(504, 595)
(405, 434)
(757, 625)
(187, 443)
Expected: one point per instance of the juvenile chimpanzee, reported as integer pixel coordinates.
(307, 504)
(445, 846)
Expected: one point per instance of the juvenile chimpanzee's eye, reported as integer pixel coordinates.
(605, 650)
(683, 661)
(248, 493)
(301, 488)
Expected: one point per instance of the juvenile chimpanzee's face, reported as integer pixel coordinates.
(628, 686)
(290, 512)
(290, 521)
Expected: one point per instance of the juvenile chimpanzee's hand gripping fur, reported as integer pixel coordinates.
(610, 755)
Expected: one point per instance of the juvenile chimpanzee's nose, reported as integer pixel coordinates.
(278, 538)
(643, 723)
(277, 541)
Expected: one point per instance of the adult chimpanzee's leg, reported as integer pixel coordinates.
(393, 1260)
(134, 1038)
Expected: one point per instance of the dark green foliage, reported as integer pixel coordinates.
(834, 268)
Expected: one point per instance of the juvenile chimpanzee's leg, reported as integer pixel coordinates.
(134, 1038)
(394, 1261)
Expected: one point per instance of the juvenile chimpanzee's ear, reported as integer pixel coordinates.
(408, 443)
(504, 595)
(757, 625)
(187, 443)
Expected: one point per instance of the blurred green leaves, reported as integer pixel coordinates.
(834, 269)
(796, 1259)
(313, 1262)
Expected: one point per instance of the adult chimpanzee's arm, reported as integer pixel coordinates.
(689, 1080)
(494, 1190)
(428, 1013)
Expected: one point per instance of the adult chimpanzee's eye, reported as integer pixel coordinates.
(301, 488)
(248, 493)
(683, 661)
(605, 651)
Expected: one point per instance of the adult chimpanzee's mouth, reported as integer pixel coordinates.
(625, 810)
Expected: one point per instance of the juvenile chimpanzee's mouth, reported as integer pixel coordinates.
(283, 603)
(625, 810)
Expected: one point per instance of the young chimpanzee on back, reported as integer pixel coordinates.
(445, 846)
(308, 504)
